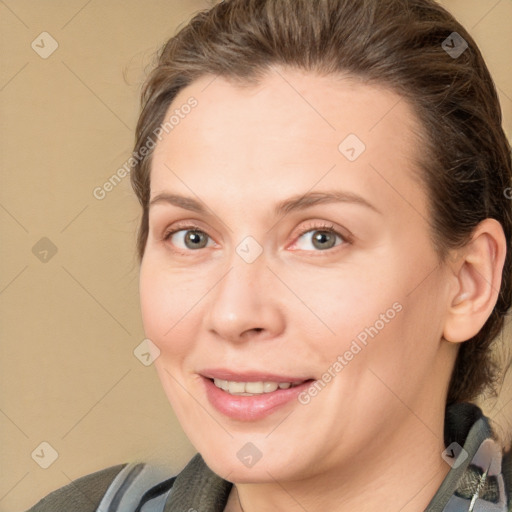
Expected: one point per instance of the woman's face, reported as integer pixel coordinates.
(252, 286)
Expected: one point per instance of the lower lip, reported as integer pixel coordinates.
(251, 408)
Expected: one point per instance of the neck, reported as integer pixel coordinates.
(404, 475)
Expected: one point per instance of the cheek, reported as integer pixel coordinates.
(404, 353)
(351, 302)
(167, 307)
(382, 310)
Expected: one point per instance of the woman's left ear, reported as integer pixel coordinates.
(477, 274)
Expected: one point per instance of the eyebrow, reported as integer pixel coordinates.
(294, 203)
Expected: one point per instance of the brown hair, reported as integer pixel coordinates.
(401, 44)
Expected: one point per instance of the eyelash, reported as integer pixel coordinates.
(325, 227)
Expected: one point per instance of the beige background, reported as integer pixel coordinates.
(70, 324)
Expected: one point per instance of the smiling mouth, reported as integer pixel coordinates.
(253, 388)
(254, 398)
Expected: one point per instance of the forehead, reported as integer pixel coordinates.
(288, 133)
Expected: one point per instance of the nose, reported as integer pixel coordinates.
(246, 303)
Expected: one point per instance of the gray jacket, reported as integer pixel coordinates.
(480, 476)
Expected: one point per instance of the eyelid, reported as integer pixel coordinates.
(344, 234)
(183, 226)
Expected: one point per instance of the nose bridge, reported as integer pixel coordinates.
(243, 297)
(247, 264)
(243, 284)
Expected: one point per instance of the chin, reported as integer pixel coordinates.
(232, 469)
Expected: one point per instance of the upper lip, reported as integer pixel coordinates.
(249, 376)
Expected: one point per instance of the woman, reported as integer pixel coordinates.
(325, 261)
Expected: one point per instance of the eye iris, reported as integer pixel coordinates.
(319, 237)
(195, 237)
(322, 239)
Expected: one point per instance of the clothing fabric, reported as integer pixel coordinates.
(480, 479)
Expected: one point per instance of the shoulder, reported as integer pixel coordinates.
(82, 495)
(123, 486)
(507, 475)
(485, 474)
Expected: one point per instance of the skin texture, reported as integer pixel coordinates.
(372, 438)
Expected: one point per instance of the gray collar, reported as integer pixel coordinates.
(199, 489)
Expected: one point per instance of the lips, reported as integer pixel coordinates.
(251, 376)
(251, 407)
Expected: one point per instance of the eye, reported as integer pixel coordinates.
(187, 238)
(191, 237)
(320, 237)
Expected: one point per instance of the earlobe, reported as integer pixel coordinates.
(478, 281)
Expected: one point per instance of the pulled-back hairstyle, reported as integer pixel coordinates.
(466, 161)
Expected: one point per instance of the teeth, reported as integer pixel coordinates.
(251, 388)
(236, 387)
